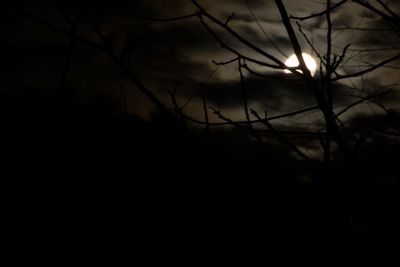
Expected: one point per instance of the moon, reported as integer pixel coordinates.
(309, 60)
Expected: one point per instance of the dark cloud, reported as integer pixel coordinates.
(163, 53)
(278, 94)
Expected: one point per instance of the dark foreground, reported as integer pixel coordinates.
(119, 191)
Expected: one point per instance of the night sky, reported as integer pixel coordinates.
(143, 133)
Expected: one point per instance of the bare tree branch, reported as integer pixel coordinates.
(365, 4)
(238, 36)
(263, 30)
(320, 14)
(282, 138)
(386, 7)
(360, 73)
(362, 100)
(193, 15)
(271, 118)
(324, 106)
(236, 52)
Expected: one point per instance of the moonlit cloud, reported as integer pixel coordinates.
(165, 53)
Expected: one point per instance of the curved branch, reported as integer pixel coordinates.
(283, 139)
(376, 66)
(183, 17)
(361, 101)
(234, 51)
(365, 4)
(319, 14)
(281, 116)
(238, 36)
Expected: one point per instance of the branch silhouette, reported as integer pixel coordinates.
(321, 89)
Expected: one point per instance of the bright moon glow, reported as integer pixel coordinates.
(309, 60)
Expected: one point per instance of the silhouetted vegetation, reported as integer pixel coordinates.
(108, 159)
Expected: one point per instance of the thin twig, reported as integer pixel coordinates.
(365, 4)
(245, 102)
(263, 31)
(281, 116)
(338, 114)
(238, 36)
(320, 14)
(282, 138)
(360, 73)
(183, 17)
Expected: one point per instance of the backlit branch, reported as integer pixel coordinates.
(238, 36)
(318, 93)
(360, 73)
(320, 14)
(391, 18)
(281, 137)
(192, 15)
(362, 100)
